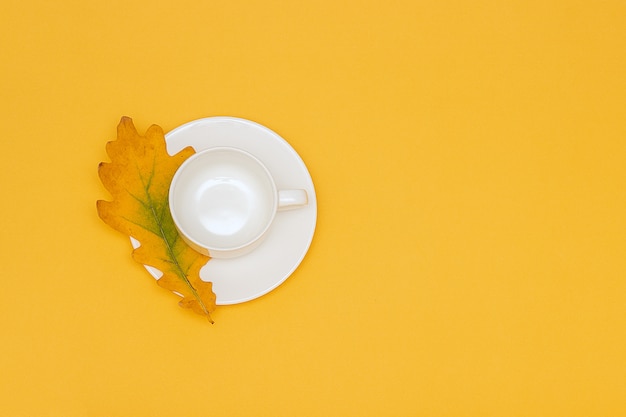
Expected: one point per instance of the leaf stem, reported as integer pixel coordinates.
(178, 268)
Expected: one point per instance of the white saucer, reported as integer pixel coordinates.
(250, 276)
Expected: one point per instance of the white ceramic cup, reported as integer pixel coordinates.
(224, 200)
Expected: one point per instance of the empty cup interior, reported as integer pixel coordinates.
(223, 199)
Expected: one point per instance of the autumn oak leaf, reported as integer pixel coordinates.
(138, 178)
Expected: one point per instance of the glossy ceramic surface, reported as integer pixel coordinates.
(286, 243)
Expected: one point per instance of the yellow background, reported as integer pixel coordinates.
(470, 163)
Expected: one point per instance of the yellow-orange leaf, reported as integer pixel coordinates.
(138, 177)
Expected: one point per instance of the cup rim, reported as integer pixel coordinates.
(250, 243)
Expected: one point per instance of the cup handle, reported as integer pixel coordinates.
(292, 199)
